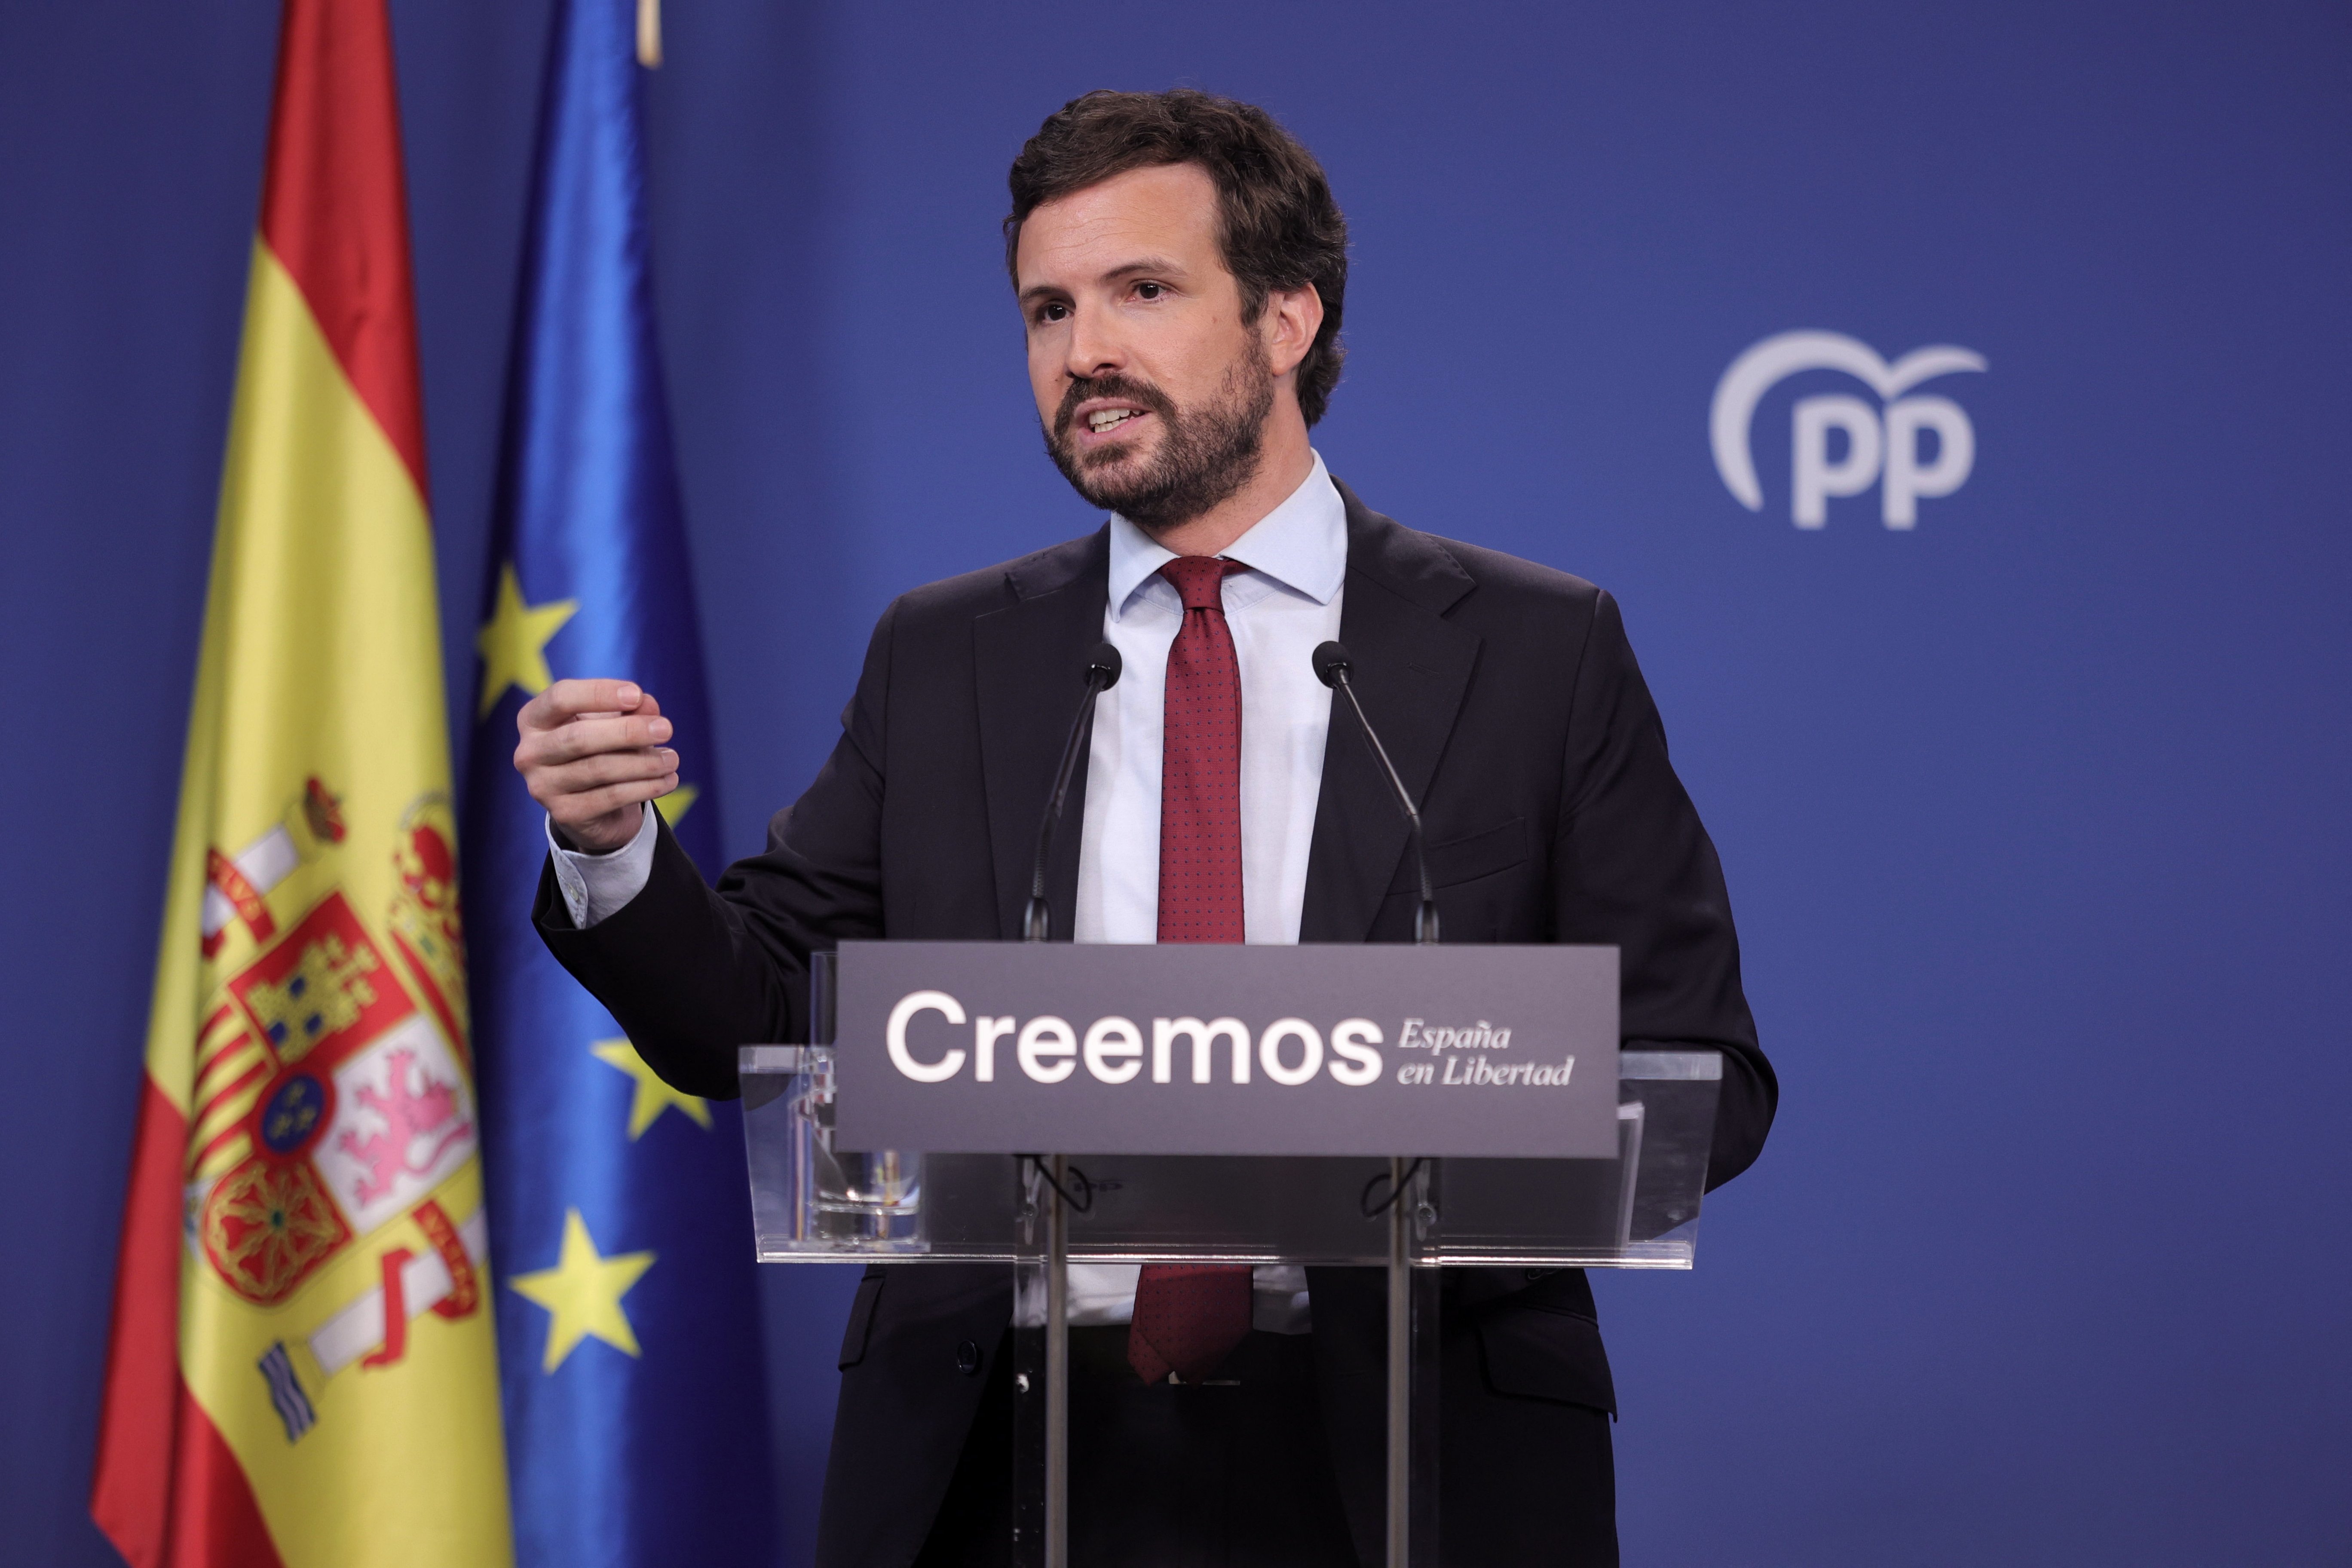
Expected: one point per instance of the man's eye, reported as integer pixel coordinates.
(1149, 290)
(1054, 313)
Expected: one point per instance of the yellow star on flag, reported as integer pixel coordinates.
(673, 806)
(652, 1096)
(584, 1292)
(513, 641)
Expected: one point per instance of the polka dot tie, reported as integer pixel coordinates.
(1201, 764)
(1189, 1317)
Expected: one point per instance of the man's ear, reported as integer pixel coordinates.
(1287, 326)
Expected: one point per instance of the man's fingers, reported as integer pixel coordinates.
(593, 737)
(596, 803)
(590, 737)
(609, 767)
(568, 699)
(647, 707)
(561, 790)
(588, 750)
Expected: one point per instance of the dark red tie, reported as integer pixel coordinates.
(1201, 764)
(1189, 1317)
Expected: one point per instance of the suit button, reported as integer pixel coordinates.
(967, 1358)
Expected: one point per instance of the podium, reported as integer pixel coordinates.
(816, 1199)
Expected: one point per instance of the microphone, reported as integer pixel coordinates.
(1103, 664)
(1332, 667)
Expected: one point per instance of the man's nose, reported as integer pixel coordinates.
(1094, 349)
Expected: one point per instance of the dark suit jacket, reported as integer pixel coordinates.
(1510, 703)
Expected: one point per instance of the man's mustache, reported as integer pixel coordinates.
(1083, 388)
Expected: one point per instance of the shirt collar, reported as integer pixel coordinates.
(1301, 545)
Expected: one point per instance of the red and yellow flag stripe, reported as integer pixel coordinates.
(302, 1363)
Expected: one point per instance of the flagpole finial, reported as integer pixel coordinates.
(649, 32)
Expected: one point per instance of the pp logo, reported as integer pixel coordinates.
(1884, 450)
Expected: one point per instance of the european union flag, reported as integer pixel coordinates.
(628, 1325)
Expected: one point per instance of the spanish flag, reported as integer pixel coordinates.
(303, 1369)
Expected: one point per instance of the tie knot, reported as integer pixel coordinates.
(1198, 578)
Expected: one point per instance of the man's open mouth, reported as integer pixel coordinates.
(1104, 420)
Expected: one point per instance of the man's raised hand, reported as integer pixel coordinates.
(592, 754)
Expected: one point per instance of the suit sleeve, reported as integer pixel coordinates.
(1634, 866)
(691, 971)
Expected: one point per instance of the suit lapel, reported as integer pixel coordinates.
(1412, 669)
(1027, 662)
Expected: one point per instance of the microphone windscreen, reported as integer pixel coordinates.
(1105, 659)
(1329, 660)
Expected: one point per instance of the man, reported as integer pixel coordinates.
(1181, 268)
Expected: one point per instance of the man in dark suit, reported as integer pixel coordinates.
(1181, 268)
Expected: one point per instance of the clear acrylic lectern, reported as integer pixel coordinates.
(811, 1203)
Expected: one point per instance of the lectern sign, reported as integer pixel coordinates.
(1004, 1047)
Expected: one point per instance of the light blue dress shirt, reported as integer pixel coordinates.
(1279, 611)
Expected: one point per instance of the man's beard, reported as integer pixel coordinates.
(1206, 454)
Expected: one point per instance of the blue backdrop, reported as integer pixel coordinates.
(2032, 813)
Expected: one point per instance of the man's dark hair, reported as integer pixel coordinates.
(1280, 228)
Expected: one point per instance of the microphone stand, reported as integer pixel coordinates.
(1331, 664)
(1410, 1320)
(1103, 664)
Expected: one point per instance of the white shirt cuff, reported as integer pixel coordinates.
(596, 887)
